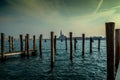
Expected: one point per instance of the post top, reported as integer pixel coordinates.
(2, 33)
(40, 34)
(83, 34)
(117, 29)
(110, 22)
(52, 32)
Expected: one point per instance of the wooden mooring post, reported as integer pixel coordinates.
(40, 45)
(34, 46)
(21, 45)
(91, 40)
(117, 48)
(110, 50)
(55, 43)
(71, 47)
(83, 44)
(12, 43)
(52, 49)
(9, 40)
(27, 45)
(34, 43)
(75, 41)
(66, 43)
(99, 43)
(2, 46)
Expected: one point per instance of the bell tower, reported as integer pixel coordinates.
(60, 32)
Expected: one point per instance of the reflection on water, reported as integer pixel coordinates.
(89, 67)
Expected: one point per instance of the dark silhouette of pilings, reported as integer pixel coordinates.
(71, 48)
(110, 50)
(55, 43)
(117, 48)
(52, 49)
(21, 45)
(27, 45)
(21, 42)
(66, 43)
(83, 44)
(34, 43)
(12, 43)
(75, 41)
(99, 43)
(9, 40)
(91, 40)
(40, 45)
(34, 46)
(2, 46)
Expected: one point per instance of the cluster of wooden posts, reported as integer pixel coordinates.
(113, 50)
(11, 47)
(53, 46)
(109, 43)
(26, 51)
(112, 43)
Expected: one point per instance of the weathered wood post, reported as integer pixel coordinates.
(34, 43)
(40, 45)
(9, 40)
(55, 43)
(21, 45)
(90, 44)
(27, 45)
(12, 43)
(99, 43)
(71, 48)
(75, 40)
(2, 46)
(83, 44)
(34, 46)
(110, 50)
(52, 49)
(117, 48)
(66, 43)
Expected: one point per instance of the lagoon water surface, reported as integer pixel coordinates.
(90, 67)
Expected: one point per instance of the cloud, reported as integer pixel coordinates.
(98, 6)
(45, 15)
(7, 19)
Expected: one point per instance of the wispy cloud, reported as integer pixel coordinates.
(45, 16)
(98, 6)
(7, 19)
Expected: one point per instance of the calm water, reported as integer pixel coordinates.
(91, 67)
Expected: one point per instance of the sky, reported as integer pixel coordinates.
(43, 16)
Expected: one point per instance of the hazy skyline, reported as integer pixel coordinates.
(43, 16)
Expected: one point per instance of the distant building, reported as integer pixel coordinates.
(62, 36)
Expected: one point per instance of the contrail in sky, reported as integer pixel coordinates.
(98, 6)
